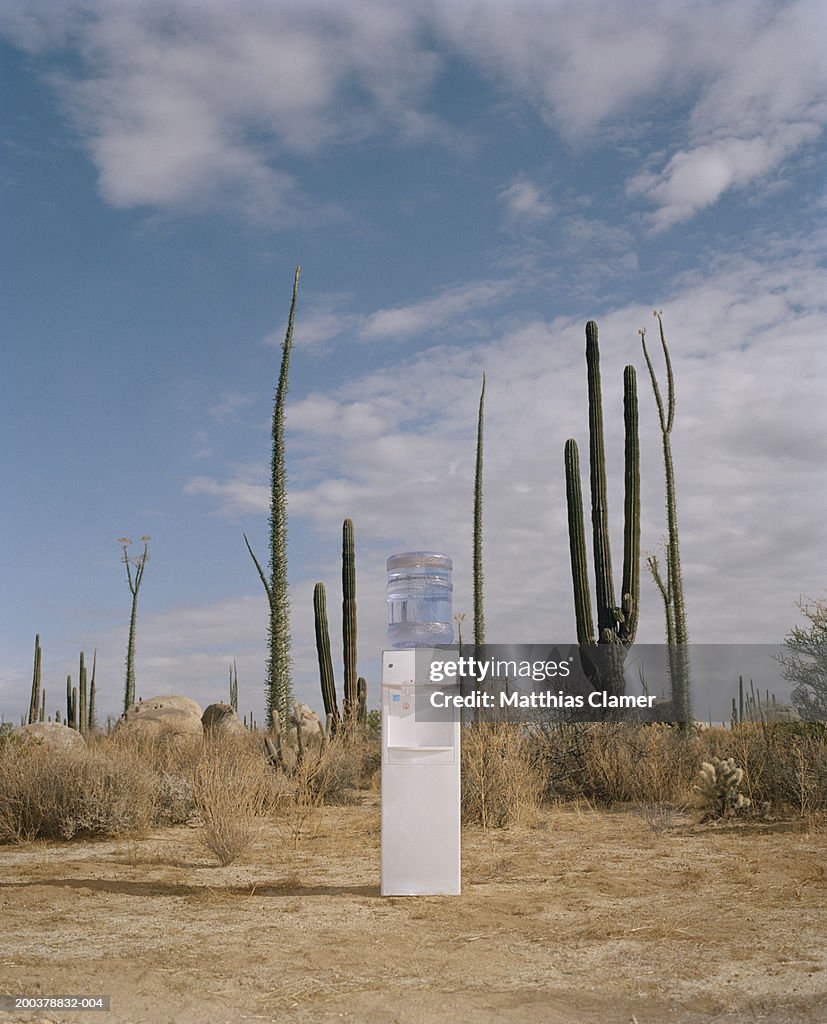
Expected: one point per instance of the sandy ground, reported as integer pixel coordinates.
(588, 917)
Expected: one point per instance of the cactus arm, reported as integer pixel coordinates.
(577, 546)
(328, 684)
(630, 592)
(479, 616)
(260, 571)
(350, 702)
(606, 614)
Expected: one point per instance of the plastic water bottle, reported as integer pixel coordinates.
(419, 599)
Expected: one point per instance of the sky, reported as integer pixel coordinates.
(464, 184)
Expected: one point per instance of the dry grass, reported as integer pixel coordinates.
(501, 782)
(231, 787)
(125, 784)
(62, 794)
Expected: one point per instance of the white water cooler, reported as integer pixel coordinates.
(420, 785)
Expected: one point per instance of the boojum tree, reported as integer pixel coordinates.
(278, 685)
(134, 579)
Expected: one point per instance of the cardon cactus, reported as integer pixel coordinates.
(616, 624)
(328, 683)
(351, 699)
(35, 700)
(720, 786)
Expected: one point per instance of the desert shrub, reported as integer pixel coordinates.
(51, 794)
(785, 763)
(610, 763)
(501, 783)
(231, 787)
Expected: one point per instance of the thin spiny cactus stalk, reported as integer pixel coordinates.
(43, 705)
(82, 712)
(350, 702)
(93, 717)
(69, 701)
(34, 700)
(479, 614)
(234, 686)
(278, 686)
(326, 679)
(680, 677)
(134, 581)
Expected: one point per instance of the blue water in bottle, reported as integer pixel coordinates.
(419, 599)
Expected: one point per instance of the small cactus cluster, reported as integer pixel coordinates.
(720, 787)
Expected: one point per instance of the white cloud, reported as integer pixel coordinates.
(525, 204)
(191, 104)
(423, 316)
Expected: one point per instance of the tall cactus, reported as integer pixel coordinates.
(672, 592)
(35, 698)
(616, 625)
(328, 683)
(92, 718)
(479, 616)
(134, 582)
(362, 699)
(279, 664)
(83, 722)
(350, 702)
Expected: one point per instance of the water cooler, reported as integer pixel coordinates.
(420, 751)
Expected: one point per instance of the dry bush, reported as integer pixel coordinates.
(50, 794)
(332, 773)
(172, 760)
(785, 763)
(501, 784)
(610, 763)
(231, 787)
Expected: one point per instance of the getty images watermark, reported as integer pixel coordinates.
(502, 670)
(547, 682)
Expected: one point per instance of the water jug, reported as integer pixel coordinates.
(419, 599)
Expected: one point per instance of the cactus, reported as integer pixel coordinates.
(362, 700)
(34, 700)
(479, 616)
(83, 723)
(42, 717)
(323, 652)
(92, 718)
(234, 686)
(720, 787)
(279, 687)
(677, 637)
(134, 583)
(350, 701)
(616, 625)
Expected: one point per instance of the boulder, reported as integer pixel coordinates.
(170, 715)
(51, 735)
(303, 716)
(221, 718)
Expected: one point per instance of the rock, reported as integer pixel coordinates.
(51, 735)
(221, 718)
(305, 717)
(170, 715)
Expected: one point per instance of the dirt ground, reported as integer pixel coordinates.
(586, 918)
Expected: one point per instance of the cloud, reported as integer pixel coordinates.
(525, 204)
(423, 316)
(229, 405)
(189, 105)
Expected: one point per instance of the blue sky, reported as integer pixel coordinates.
(464, 184)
